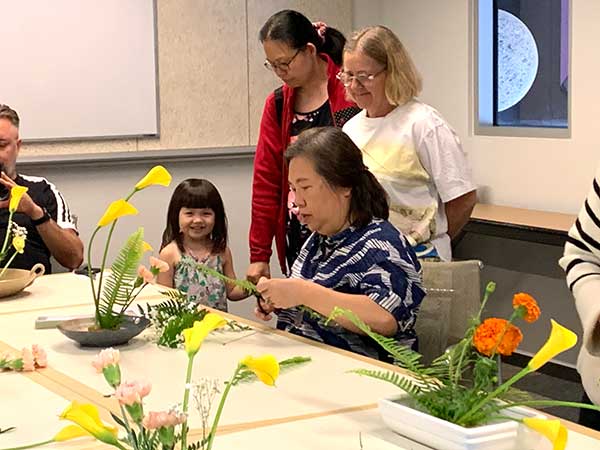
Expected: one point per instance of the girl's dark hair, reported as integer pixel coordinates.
(296, 30)
(339, 161)
(196, 193)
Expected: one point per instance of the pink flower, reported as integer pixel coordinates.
(145, 274)
(107, 357)
(159, 264)
(39, 355)
(130, 393)
(162, 419)
(28, 361)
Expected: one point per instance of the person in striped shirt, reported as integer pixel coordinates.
(581, 262)
(354, 258)
(42, 211)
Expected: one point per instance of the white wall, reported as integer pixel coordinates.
(544, 174)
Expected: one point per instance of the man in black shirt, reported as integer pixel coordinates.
(42, 210)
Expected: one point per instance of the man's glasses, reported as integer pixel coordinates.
(280, 66)
(361, 78)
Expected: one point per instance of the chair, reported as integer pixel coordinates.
(453, 297)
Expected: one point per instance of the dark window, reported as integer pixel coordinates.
(531, 63)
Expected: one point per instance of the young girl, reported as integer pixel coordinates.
(196, 232)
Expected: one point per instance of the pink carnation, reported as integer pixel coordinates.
(28, 360)
(145, 274)
(107, 357)
(162, 419)
(159, 264)
(39, 355)
(130, 393)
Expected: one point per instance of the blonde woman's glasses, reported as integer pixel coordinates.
(280, 66)
(361, 78)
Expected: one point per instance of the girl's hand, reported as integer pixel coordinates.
(282, 293)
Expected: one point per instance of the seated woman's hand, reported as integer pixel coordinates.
(282, 293)
(263, 309)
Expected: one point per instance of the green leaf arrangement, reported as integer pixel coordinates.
(119, 289)
(123, 283)
(170, 317)
(248, 286)
(461, 385)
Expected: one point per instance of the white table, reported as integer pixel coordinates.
(318, 404)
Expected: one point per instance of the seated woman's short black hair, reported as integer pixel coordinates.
(339, 161)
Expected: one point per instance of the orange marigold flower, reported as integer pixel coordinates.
(489, 332)
(532, 310)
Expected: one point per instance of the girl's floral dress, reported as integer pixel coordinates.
(199, 287)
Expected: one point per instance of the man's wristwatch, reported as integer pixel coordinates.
(45, 218)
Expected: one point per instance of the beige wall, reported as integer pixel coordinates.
(212, 83)
(545, 174)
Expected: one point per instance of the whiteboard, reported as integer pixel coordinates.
(80, 68)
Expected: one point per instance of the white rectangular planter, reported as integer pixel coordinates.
(443, 435)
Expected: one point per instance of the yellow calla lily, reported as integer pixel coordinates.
(70, 432)
(16, 193)
(18, 243)
(560, 339)
(87, 417)
(116, 209)
(195, 336)
(156, 175)
(552, 429)
(265, 367)
(146, 247)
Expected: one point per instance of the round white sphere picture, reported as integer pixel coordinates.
(517, 60)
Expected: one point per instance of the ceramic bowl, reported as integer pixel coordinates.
(82, 331)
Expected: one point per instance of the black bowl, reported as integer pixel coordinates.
(83, 332)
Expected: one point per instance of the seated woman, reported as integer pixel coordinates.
(354, 259)
(408, 145)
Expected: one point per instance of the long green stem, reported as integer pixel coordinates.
(213, 430)
(186, 399)
(126, 422)
(8, 263)
(31, 445)
(104, 256)
(492, 395)
(8, 233)
(542, 403)
(89, 266)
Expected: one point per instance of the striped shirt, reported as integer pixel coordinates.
(581, 261)
(375, 261)
(45, 195)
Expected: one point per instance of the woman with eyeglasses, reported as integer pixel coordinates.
(306, 57)
(408, 145)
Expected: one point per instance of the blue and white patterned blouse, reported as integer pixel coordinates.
(375, 261)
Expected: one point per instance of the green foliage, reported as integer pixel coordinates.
(248, 286)
(246, 376)
(118, 290)
(455, 387)
(170, 317)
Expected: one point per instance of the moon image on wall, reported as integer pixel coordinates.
(517, 60)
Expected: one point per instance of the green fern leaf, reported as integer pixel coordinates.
(119, 284)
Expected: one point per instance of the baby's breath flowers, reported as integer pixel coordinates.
(15, 234)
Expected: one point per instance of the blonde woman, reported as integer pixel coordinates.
(408, 145)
